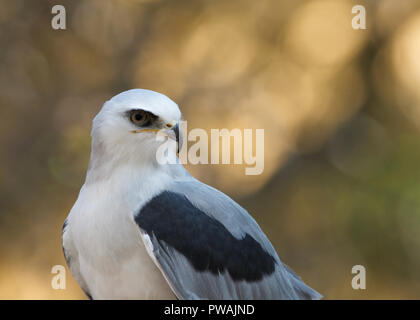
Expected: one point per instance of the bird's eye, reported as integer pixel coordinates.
(140, 117)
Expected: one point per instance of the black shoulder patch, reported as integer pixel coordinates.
(203, 240)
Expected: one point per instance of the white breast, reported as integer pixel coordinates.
(113, 259)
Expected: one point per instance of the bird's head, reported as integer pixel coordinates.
(127, 126)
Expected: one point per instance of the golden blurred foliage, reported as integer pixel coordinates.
(340, 109)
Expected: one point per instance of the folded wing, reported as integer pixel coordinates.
(209, 247)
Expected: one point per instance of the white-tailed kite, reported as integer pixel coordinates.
(144, 230)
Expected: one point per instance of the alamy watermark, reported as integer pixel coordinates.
(58, 281)
(58, 22)
(216, 149)
(359, 20)
(359, 280)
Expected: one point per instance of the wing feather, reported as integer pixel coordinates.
(72, 258)
(209, 247)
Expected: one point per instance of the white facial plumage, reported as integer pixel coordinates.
(117, 139)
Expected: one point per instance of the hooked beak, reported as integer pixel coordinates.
(171, 130)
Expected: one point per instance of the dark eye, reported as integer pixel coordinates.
(140, 117)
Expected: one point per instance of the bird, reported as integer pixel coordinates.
(142, 230)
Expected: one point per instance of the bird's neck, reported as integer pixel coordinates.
(113, 165)
(126, 187)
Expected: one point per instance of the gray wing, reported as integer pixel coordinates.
(209, 247)
(72, 258)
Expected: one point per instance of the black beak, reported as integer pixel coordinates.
(178, 137)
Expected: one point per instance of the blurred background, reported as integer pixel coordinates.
(340, 109)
